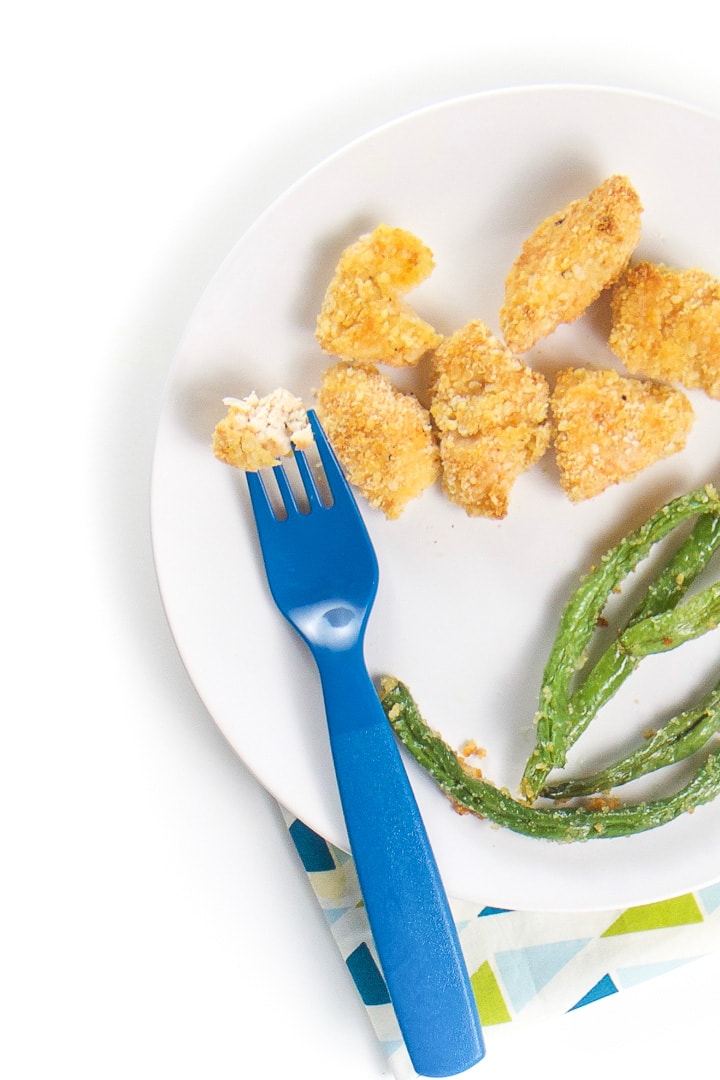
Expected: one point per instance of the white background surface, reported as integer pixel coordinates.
(154, 920)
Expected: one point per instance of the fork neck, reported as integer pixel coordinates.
(351, 700)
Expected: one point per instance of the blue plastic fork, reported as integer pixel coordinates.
(323, 575)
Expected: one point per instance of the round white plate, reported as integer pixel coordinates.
(467, 608)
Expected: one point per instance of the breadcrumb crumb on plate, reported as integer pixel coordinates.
(491, 411)
(382, 437)
(666, 324)
(610, 428)
(363, 317)
(257, 432)
(572, 256)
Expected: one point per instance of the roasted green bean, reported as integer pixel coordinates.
(663, 620)
(482, 798)
(679, 738)
(656, 625)
(664, 592)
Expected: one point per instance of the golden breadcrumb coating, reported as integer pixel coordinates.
(363, 316)
(567, 262)
(666, 324)
(257, 432)
(609, 428)
(382, 437)
(491, 411)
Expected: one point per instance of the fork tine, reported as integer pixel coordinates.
(261, 504)
(335, 476)
(308, 480)
(260, 497)
(286, 493)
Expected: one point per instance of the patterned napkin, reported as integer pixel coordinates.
(524, 966)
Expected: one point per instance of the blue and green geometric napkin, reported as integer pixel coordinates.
(524, 966)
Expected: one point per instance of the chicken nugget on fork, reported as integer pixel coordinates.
(259, 431)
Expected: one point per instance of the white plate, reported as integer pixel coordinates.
(467, 608)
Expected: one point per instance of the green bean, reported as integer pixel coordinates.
(482, 798)
(668, 629)
(683, 568)
(617, 663)
(640, 638)
(682, 736)
(562, 715)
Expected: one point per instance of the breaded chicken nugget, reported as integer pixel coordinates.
(382, 437)
(363, 316)
(257, 432)
(666, 324)
(491, 412)
(609, 428)
(567, 262)
(478, 473)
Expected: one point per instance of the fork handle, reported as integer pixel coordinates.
(408, 911)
